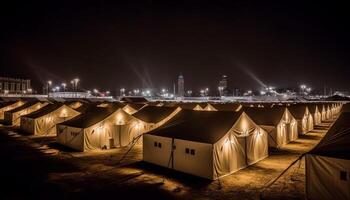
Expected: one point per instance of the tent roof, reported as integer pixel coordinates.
(204, 127)
(336, 143)
(134, 99)
(265, 116)
(8, 103)
(154, 114)
(86, 107)
(136, 106)
(312, 107)
(187, 106)
(226, 106)
(298, 110)
(24, 106)
(346, 108)
(91, 117)
(44, 110)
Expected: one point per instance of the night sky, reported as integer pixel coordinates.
(109, 44)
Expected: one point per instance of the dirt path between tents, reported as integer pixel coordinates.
(34, 167)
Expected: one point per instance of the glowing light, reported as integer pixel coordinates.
(137, 125)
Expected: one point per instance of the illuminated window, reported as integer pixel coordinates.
(193, 151)
(190, 151)
(343, 175)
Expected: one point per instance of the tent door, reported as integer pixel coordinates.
(120, 136)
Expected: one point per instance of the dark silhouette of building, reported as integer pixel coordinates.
(181, 86)
(14, 85)
(223, 86)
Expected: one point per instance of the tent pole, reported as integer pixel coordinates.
(245, 150)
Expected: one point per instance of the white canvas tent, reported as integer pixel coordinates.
(328, 164)
(277, 121)
(9, 106)
(315, 112)
(43, 121)
(323, 112)
(12, 117)
(305, 120)
(206, 144)
(100, 128)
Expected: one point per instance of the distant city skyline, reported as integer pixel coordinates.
(133, 45)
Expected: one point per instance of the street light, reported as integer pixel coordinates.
(48, 85)
(221, 89)
(64, 86)
(189, 92)
(122, 92)
(303, 87)
(136, 91)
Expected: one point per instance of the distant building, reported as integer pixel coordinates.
(14, 86)
(181, 86)
(223, 86)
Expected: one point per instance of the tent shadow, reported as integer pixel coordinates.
(25, 170)
(185, 179)
(310, 137)
(61, 148)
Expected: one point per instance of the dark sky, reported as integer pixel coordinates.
(109, 44)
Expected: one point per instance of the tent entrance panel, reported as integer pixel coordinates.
(120, 135)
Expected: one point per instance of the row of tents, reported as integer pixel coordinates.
(209, 140)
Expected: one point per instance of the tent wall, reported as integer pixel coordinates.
(9, 107)
(14, 118)
(209, 107)
(129, 109)
(71, 137)
(157, 150)
(302, 126)
(27, 124)
(198, 160)
(75, 105)
(46, 125)
(323, 114)
(277, 136)
(328, 113)
(317, 118)
(245, 144)
(198, 108)
(228, 155)
(118, 129)
(323, 178)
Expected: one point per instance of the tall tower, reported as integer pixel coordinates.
(223, 86)
(180, 86)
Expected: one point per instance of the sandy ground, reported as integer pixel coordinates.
(36, 167)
